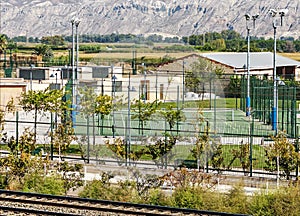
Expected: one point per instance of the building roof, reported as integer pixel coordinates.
(258, 60)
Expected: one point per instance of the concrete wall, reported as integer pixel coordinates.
(11, 88)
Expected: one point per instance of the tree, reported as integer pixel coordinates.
(145, 182)
(71, 175)
(118, 147)
(243, 155)
(160, 151)
(55, 40)
(3, 43)
(143, 111)
(62, 137)
(33, 100)
(20, 161)
(201, 72)
(281, 154)
(43, 100)
(103, 107)
(172, 116)
(44, 50)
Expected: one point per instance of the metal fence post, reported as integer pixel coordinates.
(251, 146)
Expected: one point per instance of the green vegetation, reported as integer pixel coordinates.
(195, 190)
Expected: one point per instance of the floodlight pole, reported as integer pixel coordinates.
(248, 99)
(273, 13)
(128, 147)
(275, 103)
(73, 73)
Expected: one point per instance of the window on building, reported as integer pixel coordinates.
(145, 89)
(117, 87)
(161, 92)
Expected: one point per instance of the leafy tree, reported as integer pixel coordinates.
(62, 137)
(119, 147)
(44, 50)
(218, 44)
(3, 43)
(145, 182)
(201, 149)
(172, 116)
(160, 151)
(37, 182)
(243, 155)
(87, 101)
(201, 72)
(71, 175)
(103, 107)
(43, 101)
(205, 146)
(20, 161)
(282, 153)
(143, 111)
(217, 158)
(55, 40)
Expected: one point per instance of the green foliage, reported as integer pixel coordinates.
(104, 105)
(119, 148)
(20, 161)
(55, 40)
(43, 100)
(38, 183)
(103, 189)
(192, 189)
(188, 197)
(284, 201)
(160, 151)
(145, 182)
(87, 100)
(45, 51)
(217, 159)
(243, 155)
(172, 116)
(284, 152)
(201, 72)
(95, 48)
(3, 43)
(157, 197)
(201, 150)
(71, 175)
(236, 200)
(143, 111)
(63, 136)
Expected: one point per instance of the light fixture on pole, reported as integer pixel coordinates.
(248, 99)
(73, 73)
(75, 22)
(281, 14)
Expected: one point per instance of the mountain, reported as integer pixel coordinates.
(167, 17)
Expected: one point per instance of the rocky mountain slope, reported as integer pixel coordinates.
(167, 17)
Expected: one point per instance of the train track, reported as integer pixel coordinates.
(20, 203)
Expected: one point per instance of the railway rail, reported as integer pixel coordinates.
(20, 203)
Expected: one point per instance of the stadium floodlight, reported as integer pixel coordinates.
(248, 99)
(273, 13)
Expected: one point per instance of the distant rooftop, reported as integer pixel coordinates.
(258, 60)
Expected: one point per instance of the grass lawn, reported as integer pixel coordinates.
(180, 152)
